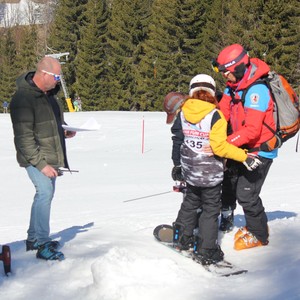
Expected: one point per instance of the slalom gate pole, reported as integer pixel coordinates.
(143, 135)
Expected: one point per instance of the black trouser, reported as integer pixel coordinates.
(245, 186)
(209, 201)
(229, 184)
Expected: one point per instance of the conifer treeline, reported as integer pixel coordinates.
(128, 54)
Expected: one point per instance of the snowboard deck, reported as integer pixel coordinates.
(164, 235)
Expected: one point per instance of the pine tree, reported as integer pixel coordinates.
(8, 70)
(90, 62)
(162, 55)
(28, 51)
(230, 22)
(212, 40)
(193, 17)
(151, 47)
(65, 33)
(126, 31)
(279, 37)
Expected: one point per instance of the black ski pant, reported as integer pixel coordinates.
(245, 186)
(208, 201)
(228, 196)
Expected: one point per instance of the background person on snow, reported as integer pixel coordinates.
(5, 107)
(198, 125)
(247, 121)
(37, 119)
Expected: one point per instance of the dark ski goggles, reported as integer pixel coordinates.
(217, 67)
(224, 68)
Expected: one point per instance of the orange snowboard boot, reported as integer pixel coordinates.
(246, 240)
(241, 232)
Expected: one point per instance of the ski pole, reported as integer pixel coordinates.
(149, 196)
(179, 188)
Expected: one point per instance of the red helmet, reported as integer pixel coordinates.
(231, 57)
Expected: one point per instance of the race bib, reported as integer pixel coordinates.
(196, 136)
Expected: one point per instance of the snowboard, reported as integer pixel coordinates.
(164, 235)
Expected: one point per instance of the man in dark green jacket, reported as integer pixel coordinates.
(39, 138)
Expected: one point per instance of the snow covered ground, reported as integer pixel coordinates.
(107, 240)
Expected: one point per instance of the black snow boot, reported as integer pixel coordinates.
(185, 243)
(180, 240)
(208, 256)
(227, 220)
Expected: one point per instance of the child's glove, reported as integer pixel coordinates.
(176, 173)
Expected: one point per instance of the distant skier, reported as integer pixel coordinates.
(5, 107)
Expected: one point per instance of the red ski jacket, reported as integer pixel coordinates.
(246, 119)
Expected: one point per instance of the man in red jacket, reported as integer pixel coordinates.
(248, 108)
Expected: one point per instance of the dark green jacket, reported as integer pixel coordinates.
(37, 139)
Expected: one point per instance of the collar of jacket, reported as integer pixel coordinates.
(22, 82)
(194, 110)
(256, 70)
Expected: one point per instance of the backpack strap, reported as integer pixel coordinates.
(266, 81)
(263, 80)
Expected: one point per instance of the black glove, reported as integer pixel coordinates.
(252, 162)
(176, 173)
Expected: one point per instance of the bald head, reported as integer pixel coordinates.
(47, 63)
(42, 78)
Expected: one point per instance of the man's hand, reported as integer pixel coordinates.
(69, 134)
(49, 171)
(252, 162)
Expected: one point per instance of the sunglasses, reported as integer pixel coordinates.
(56, 76)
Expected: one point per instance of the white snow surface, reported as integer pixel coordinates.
(108, 243)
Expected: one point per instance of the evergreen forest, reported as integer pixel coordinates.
(128, 54)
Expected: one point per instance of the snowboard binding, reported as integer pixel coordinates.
(6, 258)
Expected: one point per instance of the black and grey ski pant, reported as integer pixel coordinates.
(245, 186)
(208, 201)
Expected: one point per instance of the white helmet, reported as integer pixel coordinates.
(202, 82)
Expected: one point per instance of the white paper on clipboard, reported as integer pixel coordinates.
(90, 125)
